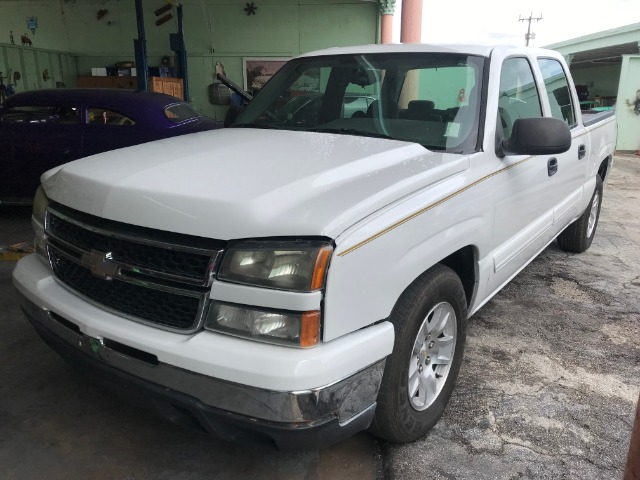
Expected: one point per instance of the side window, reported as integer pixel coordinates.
(180, 112)
(557, 85)
(519, 96)
(33, 114)
(356, 105)
(102, 116)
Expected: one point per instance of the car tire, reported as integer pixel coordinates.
(578, 236)
(430, 321)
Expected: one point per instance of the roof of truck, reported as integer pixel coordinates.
(481, 50)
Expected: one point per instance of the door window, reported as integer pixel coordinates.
(519, 96)
(102, 116)
(555, 80)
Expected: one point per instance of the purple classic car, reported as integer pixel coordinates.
(42, 129)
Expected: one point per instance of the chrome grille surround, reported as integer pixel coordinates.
(144, 275)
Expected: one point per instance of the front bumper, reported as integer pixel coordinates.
(190, 378)
(290, 420)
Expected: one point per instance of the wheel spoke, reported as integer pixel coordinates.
(439, 322)
(420, 339)
(428, 387)
(414, 383)
(443, 350)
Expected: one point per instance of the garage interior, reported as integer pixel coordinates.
(76, 41)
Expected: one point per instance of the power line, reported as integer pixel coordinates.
(528, 36)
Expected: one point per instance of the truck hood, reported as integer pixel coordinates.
(244, 183)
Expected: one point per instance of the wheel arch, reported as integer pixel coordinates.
(604, 168)
(464, 263)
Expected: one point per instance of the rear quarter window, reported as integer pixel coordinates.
(180, 112)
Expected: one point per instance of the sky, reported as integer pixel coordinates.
(496, 21)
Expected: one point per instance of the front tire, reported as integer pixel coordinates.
(430, 320)
(578, 236)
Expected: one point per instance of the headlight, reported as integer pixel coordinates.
(300, 329)
(286, 265)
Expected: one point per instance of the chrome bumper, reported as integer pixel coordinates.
(349, 403)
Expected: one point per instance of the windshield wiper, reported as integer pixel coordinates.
(352, 131)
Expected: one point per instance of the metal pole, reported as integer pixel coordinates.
(529, 19)
(183, 56)
(140, 49)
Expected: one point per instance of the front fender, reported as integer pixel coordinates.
(367, 277)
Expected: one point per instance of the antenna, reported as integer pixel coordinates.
(528, 36)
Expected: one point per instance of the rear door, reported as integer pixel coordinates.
(34, 139)
(572, 165)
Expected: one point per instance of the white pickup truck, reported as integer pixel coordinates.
(308, 272)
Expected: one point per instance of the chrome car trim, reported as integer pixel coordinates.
(344, 399)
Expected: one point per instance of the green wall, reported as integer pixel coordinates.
(31, 64)
(602, 81)
(628, 120)
(215, 30)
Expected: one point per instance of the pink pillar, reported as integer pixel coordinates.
(387, 9)
(411, 29)
(386, 29)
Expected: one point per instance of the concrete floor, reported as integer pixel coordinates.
(548, 387)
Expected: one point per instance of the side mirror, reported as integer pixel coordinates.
(536, 136)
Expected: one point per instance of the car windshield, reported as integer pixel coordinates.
(41, 114)
(179, 112)
(428, 98)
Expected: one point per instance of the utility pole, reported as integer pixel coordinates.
(528, 36)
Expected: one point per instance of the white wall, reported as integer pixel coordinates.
(628, 121)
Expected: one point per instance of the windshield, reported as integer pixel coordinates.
(427, 98)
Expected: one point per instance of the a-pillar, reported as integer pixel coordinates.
(387, 9)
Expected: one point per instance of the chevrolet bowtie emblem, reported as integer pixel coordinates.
(100, 264)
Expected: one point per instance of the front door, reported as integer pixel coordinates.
(530, 191)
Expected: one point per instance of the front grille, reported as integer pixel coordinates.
(187, 265)
(132, 270)
(155, 306)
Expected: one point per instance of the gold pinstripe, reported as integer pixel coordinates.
(439, 202)
(429, 207)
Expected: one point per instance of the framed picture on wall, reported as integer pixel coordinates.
(257, 71)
